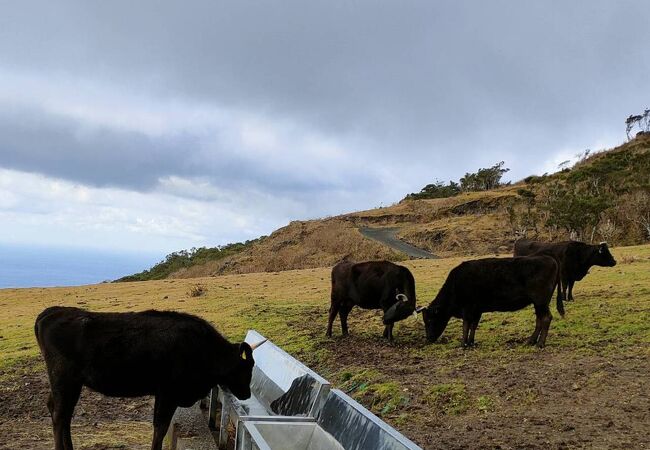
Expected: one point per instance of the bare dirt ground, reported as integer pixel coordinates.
(541, 400)
(25, 421)
(589, 388)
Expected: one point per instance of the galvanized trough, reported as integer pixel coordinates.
(292, 407)
(283, 389)
(342, 423)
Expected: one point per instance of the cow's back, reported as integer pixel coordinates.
(365, 284)
(370, 280)
(557, 250)
(526, 247)
(131, 354)
(504, 284)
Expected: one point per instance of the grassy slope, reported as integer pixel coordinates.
(433, 393)
(473, 223)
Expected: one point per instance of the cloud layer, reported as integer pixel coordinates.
(212, 122)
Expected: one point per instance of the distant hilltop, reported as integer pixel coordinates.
(605, 196)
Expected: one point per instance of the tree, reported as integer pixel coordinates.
(485, 179)
(637, 210)
(437, 190)
(641, 121)
(575, 211)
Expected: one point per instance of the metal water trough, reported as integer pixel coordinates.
(342, 423)
(283, 389)
(292, 407)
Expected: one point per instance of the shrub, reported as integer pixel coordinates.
(197, 290)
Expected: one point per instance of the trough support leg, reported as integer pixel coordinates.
(214, 408)
(223, 427)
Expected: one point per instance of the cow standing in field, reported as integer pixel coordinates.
(575, 259)
(371, 285)
(493, 284)
(173, 356)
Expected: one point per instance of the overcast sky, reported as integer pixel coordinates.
(155, 126)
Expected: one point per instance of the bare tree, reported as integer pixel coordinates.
(607, 229)
(637, 210)
(642, 121)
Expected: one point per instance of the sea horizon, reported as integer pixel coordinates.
(39, 266)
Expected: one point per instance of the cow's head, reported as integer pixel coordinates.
(399, 310)
(238, 380)
(435, 321)
(603, 257)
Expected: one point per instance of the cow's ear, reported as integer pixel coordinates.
(245, 351)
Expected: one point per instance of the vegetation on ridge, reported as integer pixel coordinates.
(604, 196)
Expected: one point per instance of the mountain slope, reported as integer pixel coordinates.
(603, 197)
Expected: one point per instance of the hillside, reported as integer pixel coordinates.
(587, 389)
(605, 196)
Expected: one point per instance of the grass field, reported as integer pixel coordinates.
(588, 388)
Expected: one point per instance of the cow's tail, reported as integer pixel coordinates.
(559, 302)
(409, 289)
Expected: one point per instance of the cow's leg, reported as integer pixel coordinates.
(544, 313)
(466, 324)
(334, 310)
(571, 283)
(63, 399)
(388, 331)
(343, 314)
(565, 285)
(472, 329)
(163, 412)
(532, 340)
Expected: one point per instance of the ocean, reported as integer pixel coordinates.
(45, 267)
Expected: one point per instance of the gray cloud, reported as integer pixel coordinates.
(426, 89)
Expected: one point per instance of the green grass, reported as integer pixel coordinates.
(610, 317)
(448, 398)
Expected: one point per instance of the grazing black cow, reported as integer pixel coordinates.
(372, 285)
(493, 284)
(173, 356)
(575, 259)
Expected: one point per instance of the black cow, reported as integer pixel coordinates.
(173, 356)
(372, 285)
(575, 259)
(493, 284)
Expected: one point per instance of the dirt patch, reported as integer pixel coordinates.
(103, 421)
(543, 399)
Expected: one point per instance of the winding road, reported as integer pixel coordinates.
(388, 237)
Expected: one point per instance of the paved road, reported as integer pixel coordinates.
(388, 236)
